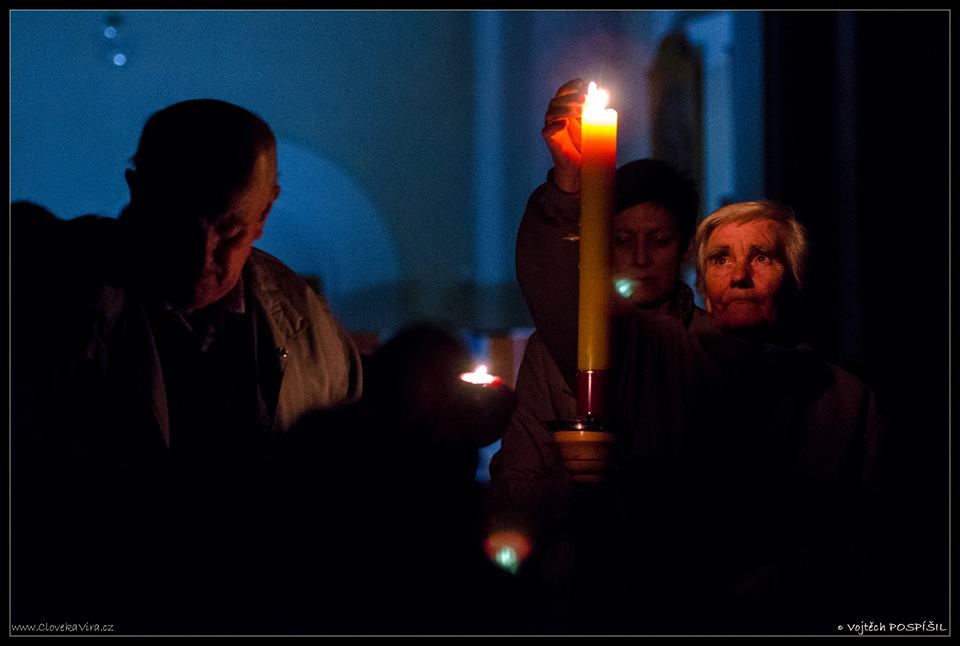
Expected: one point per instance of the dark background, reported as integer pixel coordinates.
(858, 142)
(855, 113)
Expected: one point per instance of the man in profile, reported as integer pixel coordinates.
(157, 358)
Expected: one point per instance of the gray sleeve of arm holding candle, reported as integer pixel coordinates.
(547, 256)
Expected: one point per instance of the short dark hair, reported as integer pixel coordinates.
(659, 182)
(204, 147)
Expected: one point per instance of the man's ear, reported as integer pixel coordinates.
(266, 212)
(276, 194)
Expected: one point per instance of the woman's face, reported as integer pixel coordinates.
(646, 253)
(744, 274)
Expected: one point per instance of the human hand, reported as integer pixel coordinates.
(561, 131)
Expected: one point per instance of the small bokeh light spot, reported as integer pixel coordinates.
(625, 286)
(110, 32)
(119, 59)
(507, 549)
(507, 559)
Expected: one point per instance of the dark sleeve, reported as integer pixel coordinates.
(547, 270)
(58, 268)
(529, 488)
(35, 247)
(42, 294)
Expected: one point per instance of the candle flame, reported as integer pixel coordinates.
(597, 99)
(595, 110)
(479, 376)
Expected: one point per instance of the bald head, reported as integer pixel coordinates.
(204, 150)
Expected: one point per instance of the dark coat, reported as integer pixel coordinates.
(751, 483)
(108, 525)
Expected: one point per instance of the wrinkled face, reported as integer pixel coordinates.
(202, 255)
(229, 236)
(743, 274)
(646, 249)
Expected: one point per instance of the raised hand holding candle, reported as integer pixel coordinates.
(597, 173)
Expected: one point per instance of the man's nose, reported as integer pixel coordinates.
(212, 247)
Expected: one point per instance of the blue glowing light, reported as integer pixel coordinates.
(110, 32)
(119, 59)
(625, 286)
(506, 558)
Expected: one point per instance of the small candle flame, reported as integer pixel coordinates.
(480, 376)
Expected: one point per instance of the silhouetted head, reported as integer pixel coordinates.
(415, 372)
(656, 213)
(751, 258)
(415, 379)
(203, 180)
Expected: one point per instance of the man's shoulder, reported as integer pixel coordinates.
(64, 252)
(31, 212)
(270, 263)
(271, 274)
(30, 220)
(331, 361)
(274, 282)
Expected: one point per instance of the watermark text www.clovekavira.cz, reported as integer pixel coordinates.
(61, 628)
(870, 627)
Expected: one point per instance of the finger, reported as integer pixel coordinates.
(562, 113)
(571, 86)
(564, 108)
(550, 130)
(576, 98)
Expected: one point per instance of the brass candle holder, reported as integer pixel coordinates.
(587, 447)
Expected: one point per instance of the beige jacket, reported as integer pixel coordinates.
(319, 363)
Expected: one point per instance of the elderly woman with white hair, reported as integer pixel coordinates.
(747, 461)
(751, 258)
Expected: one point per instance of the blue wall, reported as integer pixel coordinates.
(409, 140)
